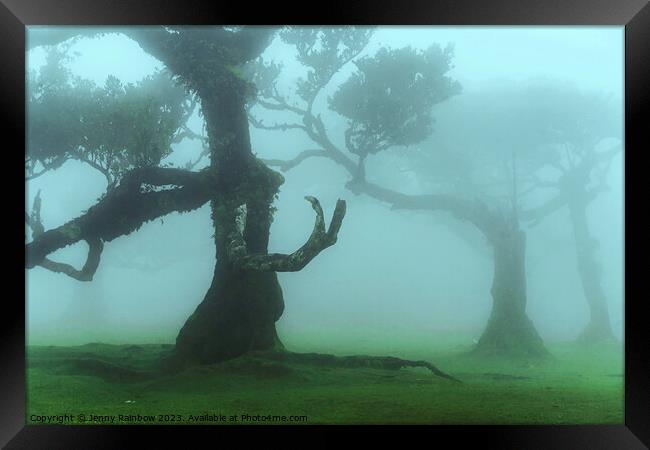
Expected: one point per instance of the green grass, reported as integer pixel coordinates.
(577, 385)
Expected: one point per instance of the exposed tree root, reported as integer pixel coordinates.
(375, 362)
(120, 371)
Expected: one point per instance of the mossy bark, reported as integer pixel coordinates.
(509, 331)
(239, 311)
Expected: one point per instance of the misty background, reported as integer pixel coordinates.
(396, 274)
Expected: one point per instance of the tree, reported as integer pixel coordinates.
(581, 136)
(240, 309)
(558, 136)
(388, 102)
(244, 301)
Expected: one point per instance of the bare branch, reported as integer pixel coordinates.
(472, 210)
(286, 165)
(278, 126)
(319, 240)
(332, 153)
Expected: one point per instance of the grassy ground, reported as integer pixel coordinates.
(577, 385)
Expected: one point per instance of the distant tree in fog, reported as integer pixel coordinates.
(574, 128)
(553, 130)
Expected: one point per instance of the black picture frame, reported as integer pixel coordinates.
(15, 15)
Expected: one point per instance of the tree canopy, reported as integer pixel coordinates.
(388, 100)
(114, 128)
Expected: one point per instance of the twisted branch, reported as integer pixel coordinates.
(122, 211)
(286, 165)
(95, 247)
(318, 241)
(336, 156)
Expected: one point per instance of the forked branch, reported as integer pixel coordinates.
(319, 240)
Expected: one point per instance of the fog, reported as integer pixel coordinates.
(392, 273)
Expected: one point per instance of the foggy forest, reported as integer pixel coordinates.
(343, 224)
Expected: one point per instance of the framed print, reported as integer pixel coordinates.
(383, 215)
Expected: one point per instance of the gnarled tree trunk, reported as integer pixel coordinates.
(237, 315)
(239, 311)
(509, 331)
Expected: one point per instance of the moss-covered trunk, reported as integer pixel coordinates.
(599, 328)
(509, 331)
(239, 311)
